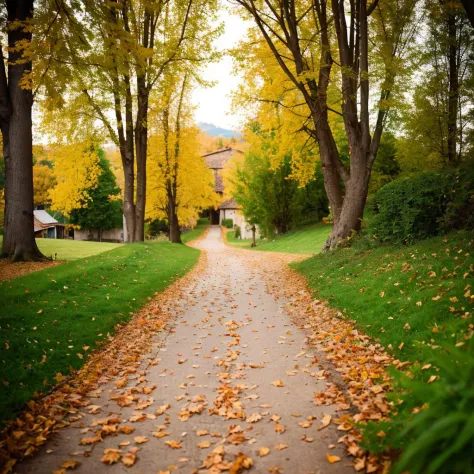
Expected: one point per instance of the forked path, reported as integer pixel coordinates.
(232, 384)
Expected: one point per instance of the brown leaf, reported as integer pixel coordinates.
(204, 444)
(174, 444)
(140, 439)
(111, 456)
(127, 429)
(129, 459)
(70, 464)
(278, 383)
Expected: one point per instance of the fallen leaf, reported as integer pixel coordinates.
(129, 459)
(174, 444)
(111, 456)
(140, 439)
(263, 451)
(127, 429)
(332, 459)
(70, 464)
(326, 419)
(278, 383)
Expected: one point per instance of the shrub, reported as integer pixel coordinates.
(460, 199)
(408, 210)
(237, 232)
(434, 426)
(229, 223)
(413, 209)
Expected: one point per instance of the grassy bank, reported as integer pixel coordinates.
(52, 319)
(305, 240)
(401, 295)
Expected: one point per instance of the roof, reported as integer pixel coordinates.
(44, 218)
(229, 204)
(217, 159)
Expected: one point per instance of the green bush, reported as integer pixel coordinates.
(408, 210)
(229, 223)
(434, 425)
(412, 209)
(237, 232)
(460, 199)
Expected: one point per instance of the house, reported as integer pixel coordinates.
(47, 227)
(229, 209)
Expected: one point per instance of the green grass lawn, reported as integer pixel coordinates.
(201, 227)
(305, 240)
(48, 316)
(401, 295)
(62, 249)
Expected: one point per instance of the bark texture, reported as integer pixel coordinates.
(16, 124)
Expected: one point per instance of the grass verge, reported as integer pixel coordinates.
(305, 240)
(194, 234)
(401, 295)
(52, 319)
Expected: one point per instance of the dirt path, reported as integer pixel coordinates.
(232, 380)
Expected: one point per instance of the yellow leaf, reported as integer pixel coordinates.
(263, 451)
(332, 459)
(111, 456)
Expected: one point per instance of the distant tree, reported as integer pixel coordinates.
(44, 181)
(180, 184)
(101, 210)
(77, 169)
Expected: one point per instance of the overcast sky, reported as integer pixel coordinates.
(214, 104)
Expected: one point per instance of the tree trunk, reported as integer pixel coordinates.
(254, 243)
(19, 239)
(453, 98)
(352, 210)
(469, 7)
(128, 207)
(173, 222)
(141, 142)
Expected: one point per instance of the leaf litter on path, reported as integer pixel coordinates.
(359, 360)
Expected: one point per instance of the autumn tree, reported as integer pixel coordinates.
(101, 208)
(119, 51)
(43, 182)
(77, 170)
(180, 183)
(320, 44)
(16, 102)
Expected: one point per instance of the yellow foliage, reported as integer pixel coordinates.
(77, 170)
(195, 182)
(277, 106)
(44, 181)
